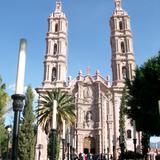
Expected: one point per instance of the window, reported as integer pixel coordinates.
(129, 134)
(55, 49)
(54, 74)
(122, 47)
(124, 72)
(120, 25)
(56, 27)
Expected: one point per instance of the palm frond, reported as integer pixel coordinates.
(65, 109)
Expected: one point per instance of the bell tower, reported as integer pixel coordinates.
(55, 63)
(123, 63)
(55, 66)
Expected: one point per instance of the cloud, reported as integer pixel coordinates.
(11, 87)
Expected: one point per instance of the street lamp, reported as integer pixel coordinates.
(159, 106)
(134, 138)
(108, 152)
(40, 146)
(54, 131)
(71, 143)
(134, 132)
(67, 150)
(71, 151)
(68, 144)
(122, 147)
(18, 97)
(114, 148)
(63, 139)
(9, 129)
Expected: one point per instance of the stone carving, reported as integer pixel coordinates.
(89, 123)
(88, 94)
(108, 96)
(89, 116)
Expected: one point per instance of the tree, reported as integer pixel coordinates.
(27, 137)
(143, 96)
(3, 97)
(3, 139)
(122, 123)
(145, 144)
(3, 133)
(65, 111)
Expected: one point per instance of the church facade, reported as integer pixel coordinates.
(97, 102)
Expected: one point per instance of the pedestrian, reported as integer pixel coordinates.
(85, 157)
(80, 156)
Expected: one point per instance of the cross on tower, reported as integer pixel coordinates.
(88, 70)
(118, 4)
(58, 6)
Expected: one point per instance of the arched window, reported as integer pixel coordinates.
(120, 25)
(124, 72)
(122, 47)
(54, 74)
(129, 136)
(55, 49)
(56, 27)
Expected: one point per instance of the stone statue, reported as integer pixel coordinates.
(89, 116)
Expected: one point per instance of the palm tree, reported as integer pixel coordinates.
(65, 109)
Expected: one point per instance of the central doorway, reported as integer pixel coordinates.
(89, 145)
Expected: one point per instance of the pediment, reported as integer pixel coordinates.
(88, 80)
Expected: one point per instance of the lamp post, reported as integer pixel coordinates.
(73, 144)
(63, 155)
(40, 146)
(159, 106)
(63, 139)
(71, 151)
(18, 97)
(134, 133)
(68, 144)
(67, 150)
(134, 138)
(114, 148)
(108, 153)
(121, 139)
(54, 131)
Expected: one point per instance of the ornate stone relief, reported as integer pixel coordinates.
(88, 120)
(108, 96)
(88, 94)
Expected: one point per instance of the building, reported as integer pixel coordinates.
(97, 102)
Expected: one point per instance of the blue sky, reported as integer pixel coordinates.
(88, 36)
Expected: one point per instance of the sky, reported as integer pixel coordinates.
(88, 35)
